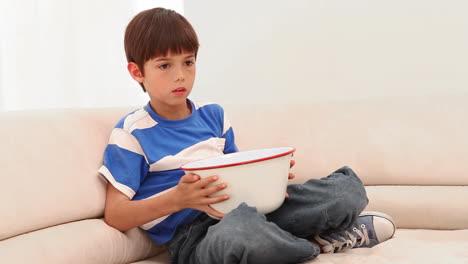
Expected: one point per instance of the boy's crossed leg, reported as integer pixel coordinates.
(246, 236)
(329, 204)
(328, 211)
(325, 210)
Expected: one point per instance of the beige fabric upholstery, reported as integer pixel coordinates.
(429, 207)
(407, 247)
(412, 153)
(405, 141)
(49, 161)
(88, 241)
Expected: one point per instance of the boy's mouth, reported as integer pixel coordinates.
(179, 91)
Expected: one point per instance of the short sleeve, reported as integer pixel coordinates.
(228, 134)
(125, 164)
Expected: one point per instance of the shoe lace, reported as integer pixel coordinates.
(363, 235)
(349, 240)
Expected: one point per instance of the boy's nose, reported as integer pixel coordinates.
(179, 75)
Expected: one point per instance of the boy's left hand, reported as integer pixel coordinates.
(291, 175)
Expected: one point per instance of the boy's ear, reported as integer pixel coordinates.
(135, 72)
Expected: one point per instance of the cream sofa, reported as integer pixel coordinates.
(412, 153)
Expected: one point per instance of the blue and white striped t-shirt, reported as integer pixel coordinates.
(145, 153)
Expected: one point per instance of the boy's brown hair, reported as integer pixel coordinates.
(157, 32)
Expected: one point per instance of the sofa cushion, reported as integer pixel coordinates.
(431, 207)
(49, 161)
(86, 241)
(388, 141)
(406, 247)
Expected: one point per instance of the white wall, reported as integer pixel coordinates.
(67, 53)
(268, 51)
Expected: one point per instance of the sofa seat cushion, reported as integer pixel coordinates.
(408, 246)
(86, 241)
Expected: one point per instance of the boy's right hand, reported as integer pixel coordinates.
(192, 192)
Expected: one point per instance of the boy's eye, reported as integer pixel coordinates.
(189, 63)
(164, 66)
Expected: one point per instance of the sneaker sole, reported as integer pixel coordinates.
(379, 214)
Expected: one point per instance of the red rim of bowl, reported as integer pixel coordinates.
(239, 163)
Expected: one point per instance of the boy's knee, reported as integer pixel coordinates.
(349, 200)
(232, 238)
(237, 223)
(348, 186)
(245, 236)
(242, 222)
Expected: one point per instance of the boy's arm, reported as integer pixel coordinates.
(124, 214)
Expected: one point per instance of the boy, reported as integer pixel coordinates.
(146, 188)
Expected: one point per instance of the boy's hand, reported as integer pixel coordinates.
(291, 164)
(291, 175)
(191, 192)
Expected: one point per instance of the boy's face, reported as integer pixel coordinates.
(168, 80)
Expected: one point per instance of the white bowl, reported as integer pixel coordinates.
(257, 177)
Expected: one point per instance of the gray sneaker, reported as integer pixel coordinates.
(371, 229)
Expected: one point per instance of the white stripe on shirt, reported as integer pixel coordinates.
(138, 120)
(125, 140)
(205, 149)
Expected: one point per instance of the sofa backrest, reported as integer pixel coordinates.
(411, 153)
(403, 141)
(49, 161)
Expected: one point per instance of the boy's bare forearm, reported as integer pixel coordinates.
(124, 214)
